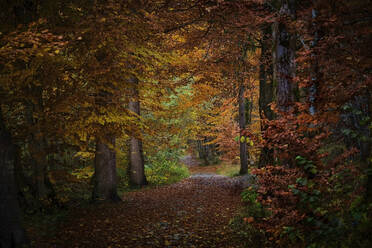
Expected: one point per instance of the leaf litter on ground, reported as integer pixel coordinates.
(192, 213)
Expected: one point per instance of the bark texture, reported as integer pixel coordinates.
(136, 168)
(266, 92)
(105, 178)
(284, 57)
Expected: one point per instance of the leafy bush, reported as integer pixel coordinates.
(164, 168)
(294, 208)
(243, 225)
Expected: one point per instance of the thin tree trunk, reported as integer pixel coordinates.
(368, 155)
(201, 154)
(207, 151)
(242, 123)
(12, 233)
(136, 168)
(105, 178)
(314, 65)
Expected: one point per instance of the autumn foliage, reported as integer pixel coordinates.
(284, 86)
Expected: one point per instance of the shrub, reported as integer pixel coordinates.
(164, 168)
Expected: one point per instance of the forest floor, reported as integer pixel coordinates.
(192, 213)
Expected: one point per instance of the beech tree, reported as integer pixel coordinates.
(242, 111)
(168, 73)
(105, 177)
(267, 91)
(23, 83)
(136, 167)
(284, 56)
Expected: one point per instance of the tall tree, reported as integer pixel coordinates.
(368, 160)
(42, 187)
(266, 91)
(314, 65)
(284, 56)
(26, 83)
(136, 167)
(105, 177)
(242, 125)
(242, 102)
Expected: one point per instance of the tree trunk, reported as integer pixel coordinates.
(12, 233)
(284, 58)
(368, 155)
(266, 95)
(314, 63)
(42, 188)
(136, 168)
(136, 163)
(242, 123)
(203, 151)
(206, 152)
(43, 191)
(105, 178)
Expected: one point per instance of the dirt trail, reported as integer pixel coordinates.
(190, 161)
(192, 213)
(195, 165)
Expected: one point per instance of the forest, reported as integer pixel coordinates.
(185, 123)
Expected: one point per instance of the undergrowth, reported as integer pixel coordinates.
(164, 168)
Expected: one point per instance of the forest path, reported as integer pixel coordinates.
(190, 160)
(192, 213)
(195, 165)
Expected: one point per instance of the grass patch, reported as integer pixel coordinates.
(225, 168)
(228, 169)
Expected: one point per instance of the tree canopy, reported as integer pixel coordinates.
(101, 96)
